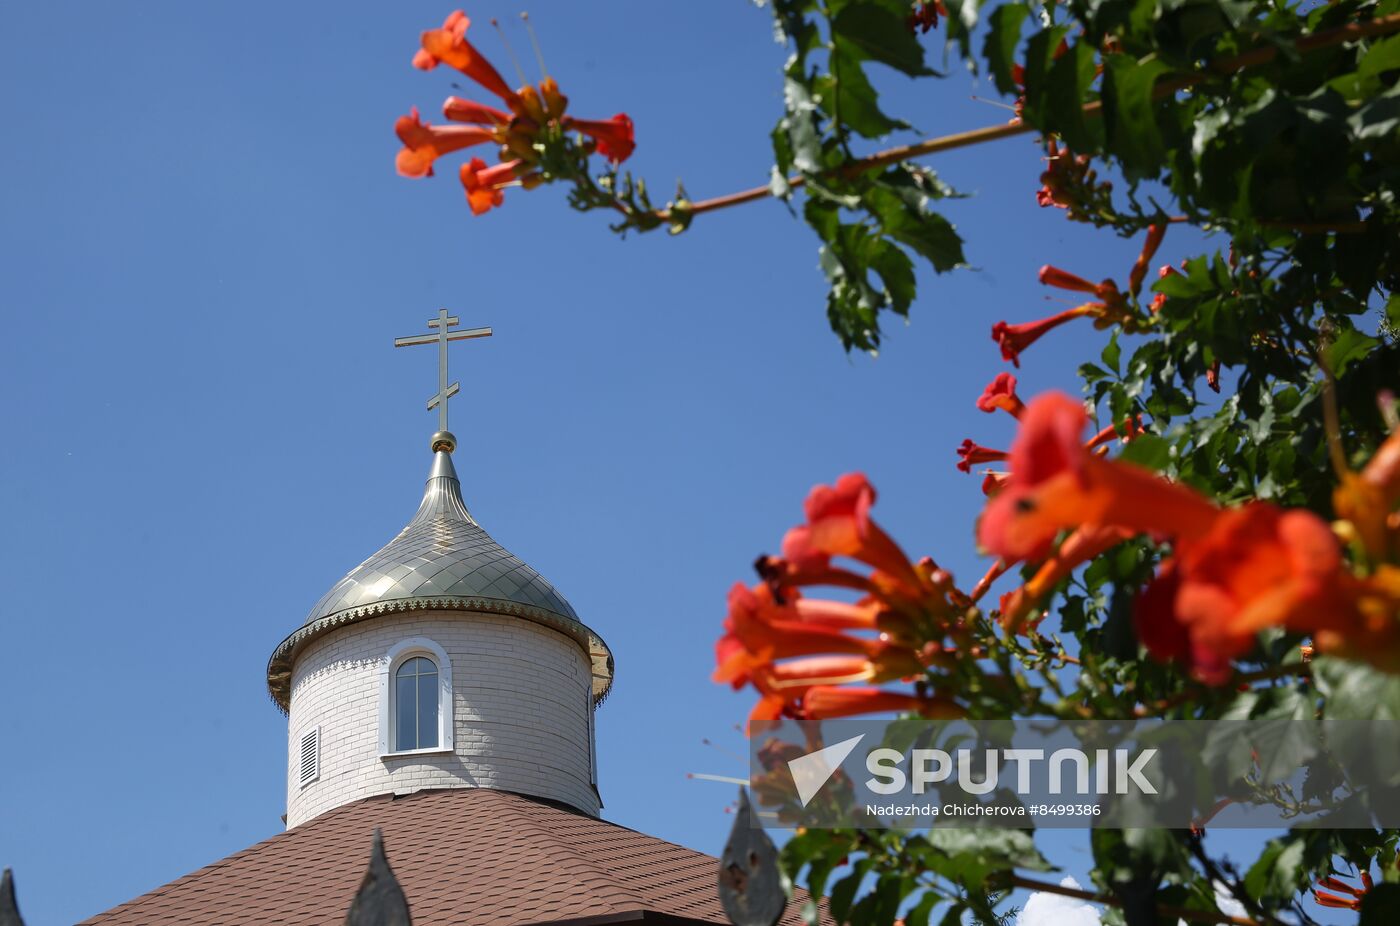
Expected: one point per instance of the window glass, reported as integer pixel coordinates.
(427, 709)
(416, 705)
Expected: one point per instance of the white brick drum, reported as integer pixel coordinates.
(521, 696)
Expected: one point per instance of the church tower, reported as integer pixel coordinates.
(439, 703)
(442, 661)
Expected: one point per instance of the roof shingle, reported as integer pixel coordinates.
(463, 856)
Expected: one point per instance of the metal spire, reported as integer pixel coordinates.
(445, 392)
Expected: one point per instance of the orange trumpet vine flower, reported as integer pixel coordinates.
(1063, 279)
(1155, 234)
(449, 46)
(1013, 339)
(758, 631)
(784, 578)
(1057, 483)
(1367, 498)
(460, 110)
(839, 524)
(1132, 427)
(1352, 896)
(1001, 394)
(1258, 566)
(971, 454)
(484, 184)
(1084, 544)
(424, 144)
(824, 702)
(614, 136)
(994, 481)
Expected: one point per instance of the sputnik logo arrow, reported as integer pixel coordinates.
(813, 770)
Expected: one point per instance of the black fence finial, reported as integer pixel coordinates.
(380, 901)
(9, 910)
(750, 882)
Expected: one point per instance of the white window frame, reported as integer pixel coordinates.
(398, 654)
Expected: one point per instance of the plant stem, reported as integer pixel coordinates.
(1380, 26)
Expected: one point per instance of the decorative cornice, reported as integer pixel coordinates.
(279, 667)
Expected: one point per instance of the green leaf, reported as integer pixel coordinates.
(848, 95)
(881, 36)
(843, 892)
(1378, 119)
(1356, 691)
(904, 217)
(1069, 89)
(1130, 110)
(1348, 347)
(1040, 57)
(999, 48)
(968, 856)
(921, 912)
(1112, 353)
(804, 144)
(1278, 873)
(1380, 57)
(1149, 450)
(896, 271)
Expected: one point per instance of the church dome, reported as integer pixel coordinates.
(442, 560)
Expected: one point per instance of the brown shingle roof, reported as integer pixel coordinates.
(463, 856)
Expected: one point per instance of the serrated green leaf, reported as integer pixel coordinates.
(1129, 104)
(852, 99)
(928, 233)
(896, 271)
(880, 35)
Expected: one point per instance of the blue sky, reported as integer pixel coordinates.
(206, 257)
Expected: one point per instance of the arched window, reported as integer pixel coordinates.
(415, 699)
(416, 705)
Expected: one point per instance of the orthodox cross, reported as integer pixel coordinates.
(442, 323)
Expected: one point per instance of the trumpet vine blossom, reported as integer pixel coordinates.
(533, 122)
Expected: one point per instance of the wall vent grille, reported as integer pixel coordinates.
(310, 756)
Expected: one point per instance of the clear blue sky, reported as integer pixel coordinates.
(206, 255)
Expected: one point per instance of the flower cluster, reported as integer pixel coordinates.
(530, 114)
(1110, 305)
(1069, 182)
(1001, 394)
(1347, 898)
(817, 658)
(1232, 571)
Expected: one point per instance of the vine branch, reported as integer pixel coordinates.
(1382, 25)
